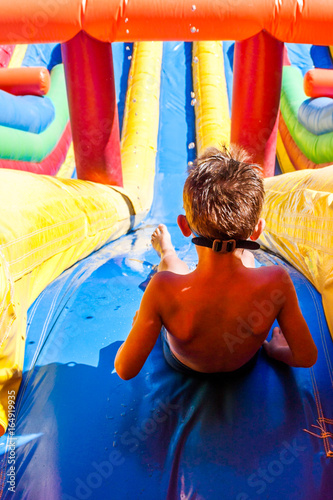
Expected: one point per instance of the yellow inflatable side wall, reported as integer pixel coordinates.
(299, 226)
(48, 224)
(140, 128)
(210, 94)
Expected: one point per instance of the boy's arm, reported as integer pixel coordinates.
(294, 345)
(147, 324)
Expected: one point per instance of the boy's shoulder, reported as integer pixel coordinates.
(275, 275)
(276, 271)
(166, 282)
(165, 277)
(276, 279)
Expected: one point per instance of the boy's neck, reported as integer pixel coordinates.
(210, 260)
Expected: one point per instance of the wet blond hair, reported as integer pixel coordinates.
(223, 194)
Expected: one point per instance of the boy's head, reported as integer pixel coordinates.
(223, 194)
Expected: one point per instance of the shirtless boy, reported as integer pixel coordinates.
(216, 318)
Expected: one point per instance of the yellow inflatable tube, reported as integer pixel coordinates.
(299, 226)
(48, 224)
(210, 96)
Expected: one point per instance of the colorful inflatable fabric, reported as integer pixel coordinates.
(317, 148)
(175, 436)
(316, 115)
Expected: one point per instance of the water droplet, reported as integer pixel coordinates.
(193, 29)
(134, 100)
(128, 48)
(136, 114)
(192, 95)
(193, 102)
(190, 164)
(127, 31)
(114, 444)
(122, 414)
(195, 59)
(198, 30)
(129, 58)
(126, 20)
(194, 7)
(191, 145)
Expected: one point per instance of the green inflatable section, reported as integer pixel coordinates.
(26, 146)
(318, 149)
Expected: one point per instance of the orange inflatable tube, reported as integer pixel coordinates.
(31, 21)
(319, 83)
(25, 81)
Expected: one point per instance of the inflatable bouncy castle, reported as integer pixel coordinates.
(103, 105)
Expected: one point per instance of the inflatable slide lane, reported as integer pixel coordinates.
(176, 436)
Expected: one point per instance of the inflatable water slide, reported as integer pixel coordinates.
(76, 254)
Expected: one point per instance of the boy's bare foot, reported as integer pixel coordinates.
(161, 241)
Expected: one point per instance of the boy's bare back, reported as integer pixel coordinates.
(218, 316)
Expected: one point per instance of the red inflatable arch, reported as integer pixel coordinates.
(86, 27)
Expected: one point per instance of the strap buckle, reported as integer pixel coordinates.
(224, 246)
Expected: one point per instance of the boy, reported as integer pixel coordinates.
(216, 318)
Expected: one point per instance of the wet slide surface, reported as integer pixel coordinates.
(82, 432)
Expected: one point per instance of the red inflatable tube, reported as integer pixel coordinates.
(36, 21)
(25, 81)
(93, 109)
(318, 83)
(256, 97)
(51, 163)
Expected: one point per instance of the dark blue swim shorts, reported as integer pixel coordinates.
(180, 367)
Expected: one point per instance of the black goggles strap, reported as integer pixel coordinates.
(225, 246)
